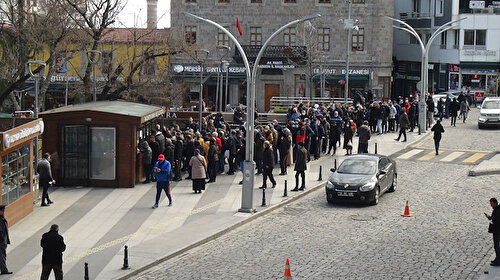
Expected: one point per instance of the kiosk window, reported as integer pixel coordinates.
(15, 175)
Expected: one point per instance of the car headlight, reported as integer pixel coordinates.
(329, 185)
(368, 186)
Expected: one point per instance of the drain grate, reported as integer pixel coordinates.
(287, 210)
(363, 218)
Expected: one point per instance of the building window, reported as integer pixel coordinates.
(149, 65)
(456, 42)
(300, 85)
(415, 4)
(190, 34)
(289, 36)
(222, 39)
(413, 39)
(15, 175)
(324, 39)
(358, 1)
(190, 1)
(444, 39)
(255, 1)
(223, 1)
(255, 36)
(358, 40)
(474, 37)
(439, 8)
(385, 82)
(289, 1)
(324, 1)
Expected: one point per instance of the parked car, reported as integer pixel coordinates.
(436, 97)
(489, 114)
(362, 178)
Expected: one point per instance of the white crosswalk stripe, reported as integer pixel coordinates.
(452, 156)
(410, 154)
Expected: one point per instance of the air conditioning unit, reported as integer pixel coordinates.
(477, 4)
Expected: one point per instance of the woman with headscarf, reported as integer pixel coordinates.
(348, 134)
(198, 171)
(212, 160)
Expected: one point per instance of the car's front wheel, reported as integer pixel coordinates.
(394, 183)
(376, 196)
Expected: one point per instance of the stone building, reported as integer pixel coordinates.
(306, 60)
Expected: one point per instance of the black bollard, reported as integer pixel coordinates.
(335, 164)
(86, 277)
(320, 177)
(285, 194)
(263, 197)
(125, 258)
(376, 148)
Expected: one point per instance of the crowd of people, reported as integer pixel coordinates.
(311, 131)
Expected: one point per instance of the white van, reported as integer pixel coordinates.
(489, 114)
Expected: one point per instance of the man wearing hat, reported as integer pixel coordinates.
(53, 247)
(162, 169)
(4, 241)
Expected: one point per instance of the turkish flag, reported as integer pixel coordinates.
(238, 26)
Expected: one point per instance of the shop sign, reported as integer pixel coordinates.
(478, 53)
(413, 78)
(26, 132)
(333, 71)
(276, 65)
(454, 68)
(207, 69)
(152, 115)
(171, 115)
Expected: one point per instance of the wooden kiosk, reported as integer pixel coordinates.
(96, 143)
(16, 153)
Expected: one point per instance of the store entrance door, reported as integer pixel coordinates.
(75, 154)
(271, 90)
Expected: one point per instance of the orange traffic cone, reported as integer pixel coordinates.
(288, 274)
(407, 211)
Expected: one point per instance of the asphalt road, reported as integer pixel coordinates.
(446, 239)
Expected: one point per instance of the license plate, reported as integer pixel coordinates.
(493, 119)
(348, 194)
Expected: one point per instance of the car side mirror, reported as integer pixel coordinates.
(382, 172)
(333, 169)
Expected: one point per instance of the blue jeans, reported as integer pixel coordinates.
(379, 125)
(162, 186)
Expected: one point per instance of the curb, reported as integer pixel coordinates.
(224, 231)
(486, 171)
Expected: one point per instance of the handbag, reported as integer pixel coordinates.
(204, 167)
(490, 228)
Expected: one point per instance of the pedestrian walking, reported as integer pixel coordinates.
(300, 167)
(147, 158)
(268, 163)
(403, 125)
(163, 171)
(4, 241)
(348, 134)
(464, 109)
(438, 131)
(232, 147)
(198, 166)
(454, 108)
(53, 248)
(494, 228)
(284, 142)
(430, 111)
(45, 179)
(335, 132)
(364, 137)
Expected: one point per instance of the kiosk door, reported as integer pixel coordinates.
(75, 152)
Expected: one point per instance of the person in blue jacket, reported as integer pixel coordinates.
(162, 169)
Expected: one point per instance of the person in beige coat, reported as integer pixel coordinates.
(198, 171)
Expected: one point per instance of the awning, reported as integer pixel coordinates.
(358, 79)
(480, 65)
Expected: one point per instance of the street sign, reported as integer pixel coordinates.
(348, 23)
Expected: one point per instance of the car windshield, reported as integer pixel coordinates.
(358, 166)
(493, 104)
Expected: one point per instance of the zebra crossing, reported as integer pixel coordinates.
(445, 156)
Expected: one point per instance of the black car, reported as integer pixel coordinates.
(362, 177)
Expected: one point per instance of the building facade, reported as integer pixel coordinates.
(465, 58)
(307, 60)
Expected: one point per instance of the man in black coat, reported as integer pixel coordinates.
(178, 146)
(4, 241)
(268, 163)
(300, 167)
(231, 146)
(43, 168)
(155, 149)
(53, 247)
(494, 228)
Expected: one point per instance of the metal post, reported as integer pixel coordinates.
(376, 148)
(335, 164)
(86, 277)
(285, 194)
(125, 258)
(200, 96)
(37, 77)
(66, 91)
(93, 62)
(263, 197)
(217, 91)
(320, 177)
(227, 87)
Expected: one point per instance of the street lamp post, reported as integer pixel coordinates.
(425, 61)
(225, 69)
(349, 25)
(222, 52)
(201, 56)
(249, 164)
(94, 57)
(36, 76)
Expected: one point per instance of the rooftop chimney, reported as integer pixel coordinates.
(152, 14)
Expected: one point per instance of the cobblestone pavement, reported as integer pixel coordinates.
(446, 239)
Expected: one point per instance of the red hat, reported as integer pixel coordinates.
(161, 157)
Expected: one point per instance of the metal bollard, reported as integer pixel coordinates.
(335, 164)
(86, 277)
(376, 148)
(285, 194)
(125, 258)
(263, 197)
(320, 177)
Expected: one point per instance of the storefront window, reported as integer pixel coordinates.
(15, 175)
(300, 85)
(474, 81)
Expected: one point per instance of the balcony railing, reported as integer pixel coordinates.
(295, 53)
(413, 15)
